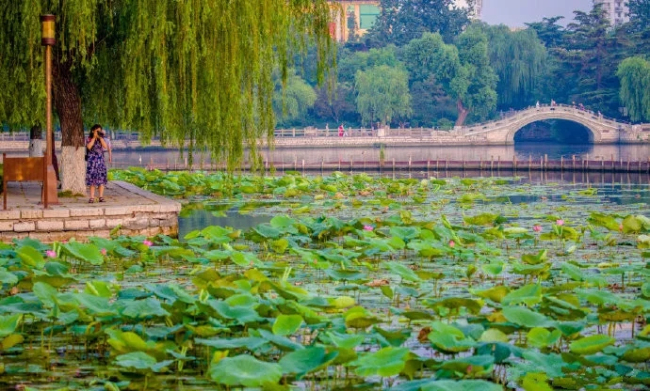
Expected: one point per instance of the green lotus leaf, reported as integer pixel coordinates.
(11, 340)
(245, 370)
(495, 294)
(401, 270)
(347, 341)
(482, 219)
(529, 294)
(7, 277)
(591, 344)
(493, 335)
(540, 337)
(140, 309)
(472, 365)
(631, 225)
(86, 252)
(639, 355)
(524, 317)
(535, 259)
(8, 324)
(31, 257)
(310, 359)
(287, 324)
(385, 362)
(461, 385)
(535, 382)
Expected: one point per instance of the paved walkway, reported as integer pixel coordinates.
(128, 210)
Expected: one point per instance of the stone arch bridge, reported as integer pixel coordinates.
(603, 130)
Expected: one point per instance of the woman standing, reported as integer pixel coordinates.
(96, 166)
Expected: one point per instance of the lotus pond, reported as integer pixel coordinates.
(342, 282)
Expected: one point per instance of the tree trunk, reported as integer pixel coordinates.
(462, 113)
(67, 101)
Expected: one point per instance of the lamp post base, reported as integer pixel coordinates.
(49, 195)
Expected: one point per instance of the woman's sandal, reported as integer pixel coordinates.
(91, 200)
(101, 199)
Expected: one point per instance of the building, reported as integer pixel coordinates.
(618, 11)
(352, 17)
(357, 16)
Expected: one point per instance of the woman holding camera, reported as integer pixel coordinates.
(96, 166)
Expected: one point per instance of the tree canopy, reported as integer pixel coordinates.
(634, 73)
(382, 94)
(198, 70)
(400, 21)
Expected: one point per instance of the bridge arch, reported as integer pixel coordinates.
(596, 134)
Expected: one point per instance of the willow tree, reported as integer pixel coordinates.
(382, 94)
(520, 61)
(634, 73)
(197, 70)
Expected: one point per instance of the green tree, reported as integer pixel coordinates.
(634, 74)
(337, 104)
(400, 21)
(433, 67)
(589, 59)
(549, 31)
(475, 84)
(520, 61)
(197, 69)
(292, 98)
(382, 94)
(640, 13)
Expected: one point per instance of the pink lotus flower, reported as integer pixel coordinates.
(147, 243)
(103, 251)
(620, 227)
(537, 228)
(50, 253)
(559, 222)
(368, 228)
(452, 244)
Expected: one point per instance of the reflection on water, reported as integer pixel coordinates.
(164, 158)
(199, 219)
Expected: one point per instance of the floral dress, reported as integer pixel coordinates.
(95, 166)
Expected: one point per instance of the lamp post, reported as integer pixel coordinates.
(48, 40)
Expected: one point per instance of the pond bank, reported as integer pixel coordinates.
(128, 210)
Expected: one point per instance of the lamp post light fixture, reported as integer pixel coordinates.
(48, 195)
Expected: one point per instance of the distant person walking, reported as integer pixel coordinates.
(96, 175)
(341, 130)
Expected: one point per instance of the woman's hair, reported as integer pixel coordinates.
(92, 130)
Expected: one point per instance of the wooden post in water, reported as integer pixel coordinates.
(573, 162)
(499, 163)
(339, 163)
(428, 163)
(562, 163)
(628, 164)
(545, 162)
(393, 166)
(602, 163)
(514, 162)
(410, 163)
(491, 162)
(530, 162)
(587, 162)
(303, 166)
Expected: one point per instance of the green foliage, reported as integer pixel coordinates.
(198, 70)
(401, 21)
(292, 98)
(634, 74)
(520, 61)
(382, 94)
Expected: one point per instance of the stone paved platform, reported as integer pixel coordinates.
(128, 210)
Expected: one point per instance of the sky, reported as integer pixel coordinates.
(515, 13)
